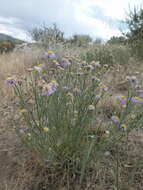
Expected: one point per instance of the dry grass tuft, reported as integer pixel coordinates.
(15, 64)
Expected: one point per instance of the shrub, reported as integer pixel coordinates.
(102, 53)
(58, 122)
(80, 40)
(121, 54)
(117, 40)
(106, 54)
(6, 46)
(58, 115)
(134, 22)
(47, 36)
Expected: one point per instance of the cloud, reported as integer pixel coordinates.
(114, 9)
(98, 18)
(9, 20)
(96, 25)
(9, 26)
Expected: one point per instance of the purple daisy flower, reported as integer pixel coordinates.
(48, 54)
(10, 80)
(65, 88)
(122, 99)
(115, 119)
(139, 92)
(137, 99)
(39, 67)
(141, 95)
(49, 88)
(65, 63)
(132, 79)
(93, 78)
(53, 84)
(104, 87)
(48, 92)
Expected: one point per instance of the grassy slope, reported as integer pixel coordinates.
(4, 37)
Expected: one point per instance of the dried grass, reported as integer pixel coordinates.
(15, 64)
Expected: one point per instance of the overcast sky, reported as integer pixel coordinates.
(98, 18)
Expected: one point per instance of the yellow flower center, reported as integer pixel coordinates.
(138, 98)
(46, 129)
(124, 126)
(50, 52)
(123, 97)
(8, 78)
(116, 117)
(22, 110)
(54, 81)
(39, 65)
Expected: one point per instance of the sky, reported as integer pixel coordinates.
(98, 18)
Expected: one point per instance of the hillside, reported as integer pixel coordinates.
(7, 37)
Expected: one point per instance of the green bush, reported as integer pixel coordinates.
(100, 53)
(134, 22)
(106, 54)
(121, 54)
(57, 124)
(6, 46)
(58, 115)
(47, 36)
(121, 40)
(79, 40)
